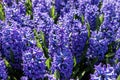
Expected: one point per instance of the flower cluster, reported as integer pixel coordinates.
(34, 63)
(98, 46)
(59, 39)
(103, 72)
(3, 71)
(79, 36)
(13, 43)
(117, 55)
(60, 52)
(117, 68)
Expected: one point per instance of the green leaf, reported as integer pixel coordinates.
(76, 70)
(57, 75)
(48, 63)
(43, 42)
(8, 78)
(12, 55)
(28, 5)
(39, 45)
(52, 12)
(2, 14)
(82, 19)
(42, 36)
(14, 78)
(118, 78)
(88, 28)
(7, 64)
(81, 75)
(75, 61)
(109, 55)
(101, 18)
(98, 23)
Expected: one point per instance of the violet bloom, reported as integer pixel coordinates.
(34, 63)
(14, 41)
(3, 71)
(60, 52)
(104, 72)
(98, 46)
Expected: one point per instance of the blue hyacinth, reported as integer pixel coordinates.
(91, 15)
(60, 52)
(117, 36)
(111, 22)
(3, 70)
(104, 72)
(72, 36)
(34, 63)
(24, 78)
(98, 46)
(15, 13)
(79, 36)
(14, 42)
(117, 55)
(117, 68)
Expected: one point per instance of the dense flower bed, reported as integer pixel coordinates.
(60, 40)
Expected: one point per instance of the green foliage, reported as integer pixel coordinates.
(74, 61)
(52, 12)
(2, 14)
(82, 19)
(57, 75)
(41, 43)
(28, 6)
(88, 28)
(101, 18)
(7, 64)
(48, 63)
(118, 78)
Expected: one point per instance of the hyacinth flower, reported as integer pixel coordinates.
(34, 63)
(42, 5)
(82, 6)
(117, 68)
(60, 4)
(79, 36)
(50, 76)
(41, 10)
(64, 6)
(89, 11)
(42, 20)
(8, 2)
(96, 2)
(77, 32)
(44, 24)
(91, 14)
(111, 22)
(24, 78)
(117, 9)
(117, 55)
(104, 72)
(117, 37)
(15, 12)
(14, 41)
(98, 46)
(60, 52)
(3, 70)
